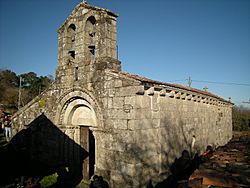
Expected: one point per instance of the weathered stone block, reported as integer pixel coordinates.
(117, 114)
(118, 102)
(117, 83)
(119, 146)
(116, 124)
(143, 124)
(128, 169)
(128, 91)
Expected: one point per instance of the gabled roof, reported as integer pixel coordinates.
(145, 80)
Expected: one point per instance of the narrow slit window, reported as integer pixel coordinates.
(72, 54)
(92, 51)
(76, 73)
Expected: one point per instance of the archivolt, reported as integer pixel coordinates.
(72, 95)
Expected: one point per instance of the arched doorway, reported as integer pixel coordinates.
(83, 116)
(78, 114)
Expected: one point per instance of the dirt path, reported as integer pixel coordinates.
(228, 167)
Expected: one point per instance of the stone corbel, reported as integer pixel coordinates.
(206, 100)
(162, 92)
(203, 100)
(189, 97)
(183, 96)
(215, 102)
(171, 94)
(150, 91)
(178, 95)
(198, 99)
(195, 98)
(210, 101)
(140, 91)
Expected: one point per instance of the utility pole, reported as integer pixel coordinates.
(19, 93)
(117, 52)
(246, 102)
(189, 81)
(205, 88)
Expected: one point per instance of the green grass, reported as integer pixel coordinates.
(51, 179)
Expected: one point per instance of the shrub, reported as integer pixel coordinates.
(48, 180)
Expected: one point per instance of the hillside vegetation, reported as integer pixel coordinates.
(241, 118)
(18, 90)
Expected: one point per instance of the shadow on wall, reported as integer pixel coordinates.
(151, 152)
(40, 150)
(181, 170)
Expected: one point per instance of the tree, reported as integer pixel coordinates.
(8, 88)
(31, 86)
(241, 118)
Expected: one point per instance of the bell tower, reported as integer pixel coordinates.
(86, 43)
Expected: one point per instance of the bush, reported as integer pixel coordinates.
(48, 180)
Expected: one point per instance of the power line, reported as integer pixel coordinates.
(189, 80)
(210, 82)
(177, 80)
(224, 83)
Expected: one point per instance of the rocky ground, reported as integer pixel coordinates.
(229, 165)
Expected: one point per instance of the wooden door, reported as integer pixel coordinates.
(87, 142)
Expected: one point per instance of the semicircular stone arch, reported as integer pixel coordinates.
(78, 107)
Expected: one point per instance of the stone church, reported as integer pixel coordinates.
(130, 128)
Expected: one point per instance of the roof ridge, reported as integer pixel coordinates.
(145, 79)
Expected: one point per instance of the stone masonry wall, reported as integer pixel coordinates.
(92, 27)
(145, 130)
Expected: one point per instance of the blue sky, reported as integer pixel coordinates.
(165, 40)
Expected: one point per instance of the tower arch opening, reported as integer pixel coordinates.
(90, 38)
(71, 34)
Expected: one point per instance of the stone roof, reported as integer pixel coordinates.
(145, 81)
